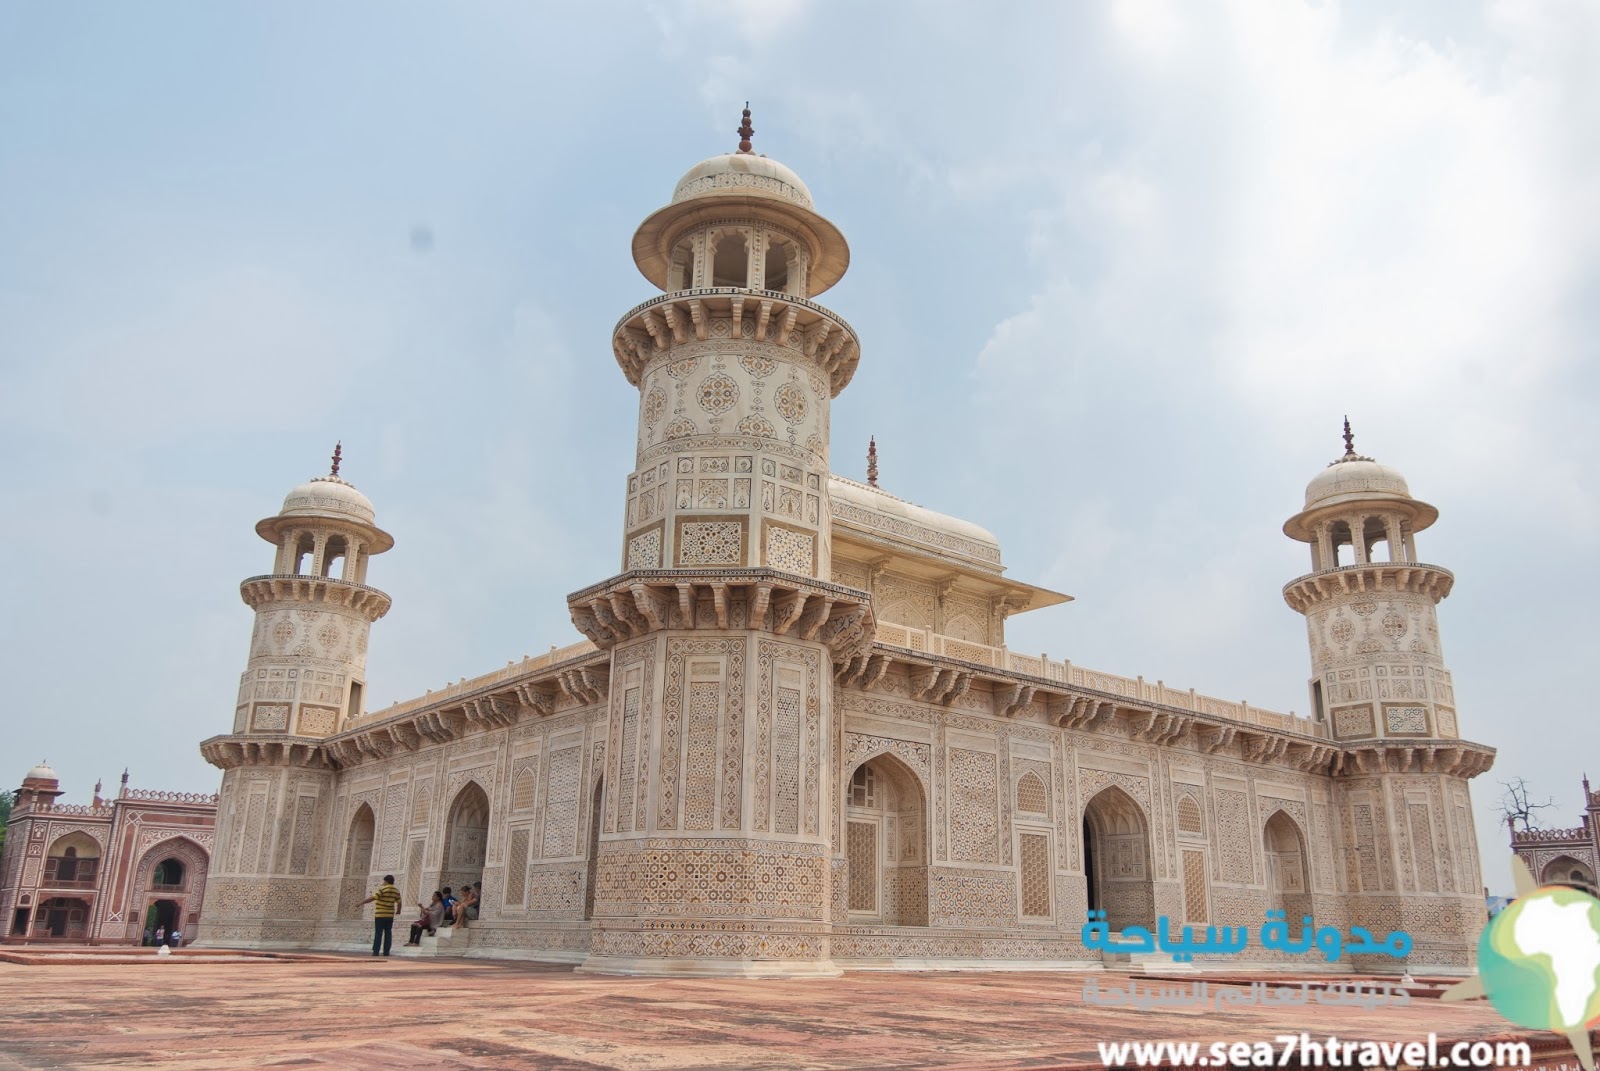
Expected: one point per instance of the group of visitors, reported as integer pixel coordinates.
(445, 909)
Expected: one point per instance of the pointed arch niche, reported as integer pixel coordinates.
(1288, 887)
(1116, 839)
(466, 837)
(886, 844)
(1565, 870)
(357, 862)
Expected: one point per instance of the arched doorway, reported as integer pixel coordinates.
(170, 872)
(1288, 889)
(162, 917)
(64, 917)
(357, 862)
(1565, 870)
(886, 844)
(466, 838)
(1116, 846)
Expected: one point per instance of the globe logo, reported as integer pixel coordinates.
(1539, 962)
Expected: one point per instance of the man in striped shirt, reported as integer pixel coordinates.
(385, 902)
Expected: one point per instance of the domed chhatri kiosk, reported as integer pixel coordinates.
(793, 740)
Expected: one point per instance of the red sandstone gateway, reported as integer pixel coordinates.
(111, 872)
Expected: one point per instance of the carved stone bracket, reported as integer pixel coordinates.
(780, 319)
(1307, 591)
(260, 591)
(227, 752)
(1162, 728)
(1213, 738)
(1010, 698)
(644, 601)
(1452, 758)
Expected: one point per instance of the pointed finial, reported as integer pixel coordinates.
(872, 461)
(1349, 439)
(338, 452)
(745, 130)
(124, 775)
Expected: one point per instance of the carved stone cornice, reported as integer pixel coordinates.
(686, 316)
(229, 752)
(642, 601)
(1307, 591)
(501, 704)
(937, 679)
(1453, 758)
(260, 591)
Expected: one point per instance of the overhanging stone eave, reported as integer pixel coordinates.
(1267, 741)
(513, 697)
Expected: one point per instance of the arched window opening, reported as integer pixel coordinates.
(682, 273)
(1031, 795)
(1340, 545)
(73, 862)
(168, 874)
(1118, 868)
(775, 273)
(1190, 817)
(333, 555)
(305, 550)
(1288, 889)
(1375, 536)
(886, 833)
(730, 266)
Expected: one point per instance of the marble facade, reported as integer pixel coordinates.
(793, 740)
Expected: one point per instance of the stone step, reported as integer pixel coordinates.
(448, 941)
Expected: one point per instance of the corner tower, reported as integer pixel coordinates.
(304, 680)
(1379, 680)
(736, 367)
(723, 626)
(1377, 668)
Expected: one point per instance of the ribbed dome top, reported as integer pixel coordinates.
(43, 772)
(1355, 477)
(329, 497)
(742, 175)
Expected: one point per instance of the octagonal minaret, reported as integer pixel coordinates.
(1409, 856)
(736, 367)
(303, 681)
(724, 626)
(1377, 667)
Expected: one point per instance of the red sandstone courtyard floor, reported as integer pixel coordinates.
(359, 1013)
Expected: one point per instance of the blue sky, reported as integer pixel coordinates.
(1118, 269)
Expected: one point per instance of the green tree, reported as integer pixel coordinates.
(6, 800)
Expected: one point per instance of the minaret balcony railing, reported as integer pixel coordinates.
(1418, 578)
(258, 591)
(730, 291)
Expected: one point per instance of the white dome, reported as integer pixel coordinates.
(742, 174)
(1355, 477)
(43, 772)
(330, 497)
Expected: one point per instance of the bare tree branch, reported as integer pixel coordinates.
(1516, 806)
